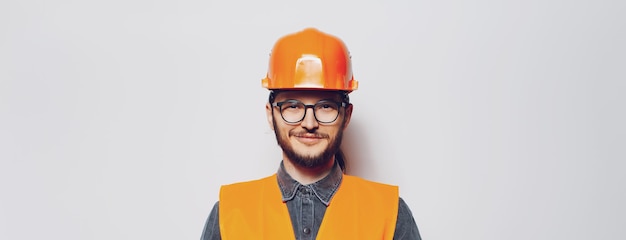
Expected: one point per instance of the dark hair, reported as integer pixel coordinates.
(340, 159)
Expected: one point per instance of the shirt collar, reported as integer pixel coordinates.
(324, 189)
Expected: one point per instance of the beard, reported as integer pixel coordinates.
(309, 161)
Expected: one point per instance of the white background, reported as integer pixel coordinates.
(120, 119)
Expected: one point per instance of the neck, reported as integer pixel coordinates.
(307, 175)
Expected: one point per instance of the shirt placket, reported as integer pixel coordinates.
(307, 220)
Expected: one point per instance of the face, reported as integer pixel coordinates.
(308, 143)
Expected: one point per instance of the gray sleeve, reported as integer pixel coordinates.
(406, 228)
(211, 229)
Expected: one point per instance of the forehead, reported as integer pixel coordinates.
(308, 95)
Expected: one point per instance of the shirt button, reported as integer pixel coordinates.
(306, 230)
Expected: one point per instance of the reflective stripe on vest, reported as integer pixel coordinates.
(360, 209)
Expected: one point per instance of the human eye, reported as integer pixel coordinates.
(326, 105)
(292, 105)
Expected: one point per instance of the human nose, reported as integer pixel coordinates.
(309, 122)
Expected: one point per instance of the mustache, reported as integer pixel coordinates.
(308, 134)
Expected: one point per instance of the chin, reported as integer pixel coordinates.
(310, 152)
(308, 148)
(311, 155)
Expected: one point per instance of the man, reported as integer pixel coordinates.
(310, 197)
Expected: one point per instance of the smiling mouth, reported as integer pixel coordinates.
(308, 139)
(308, 135)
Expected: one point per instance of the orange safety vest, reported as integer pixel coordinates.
(360, 209)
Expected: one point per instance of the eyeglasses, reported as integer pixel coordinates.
(294, 111)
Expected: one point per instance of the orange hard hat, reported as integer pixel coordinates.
(311, 60)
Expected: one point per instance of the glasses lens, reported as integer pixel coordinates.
(326, 111)
(292, 111)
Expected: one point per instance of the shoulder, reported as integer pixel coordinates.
(371, 189)
(403, 207)
(249, 184)
(355, 180)
(406, 227)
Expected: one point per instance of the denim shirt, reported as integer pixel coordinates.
(307, 204)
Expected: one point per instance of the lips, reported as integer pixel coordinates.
(309, 138)
(308, 135)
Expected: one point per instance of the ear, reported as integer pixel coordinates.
(347, 116)
(270, 117)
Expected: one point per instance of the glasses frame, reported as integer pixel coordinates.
(306, 107)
